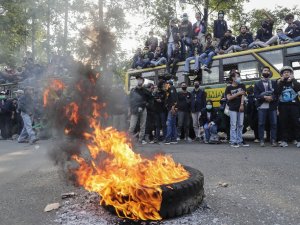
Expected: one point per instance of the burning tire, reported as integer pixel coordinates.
(183, 197)
(180, 198)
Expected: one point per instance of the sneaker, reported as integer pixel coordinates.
(298, 145)
(244, 144)
(206, 142)
(256, 141)
(174, 142)
(235, 145)
(203, 67)
(284, 144)
(151, 142)
(295, 142)
(33, 141)
(262, 144)
(167, 143)
(178, 139)
(188, 140)
(197, 139)
(273, 144)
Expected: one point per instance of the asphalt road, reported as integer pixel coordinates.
(263, 183)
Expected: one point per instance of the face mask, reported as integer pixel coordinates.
(197, 86)
(238, 80)
(184, 88)
(208, 107)
(266, 75)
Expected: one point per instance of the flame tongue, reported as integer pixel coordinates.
(125, 180)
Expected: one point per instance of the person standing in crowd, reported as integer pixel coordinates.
(150, 122)
(208, 53)
(252, 113)
(151, 42)
(265, 92)
(184, 112)
(171, 103)
(4, 120)
(199, 28)
(220, 26)
(26, 107)
(243, 40)
(210, 120)
(176, 57)
(289, 114)
(172, 37)
(226, 42)
(198, 102)
(186, 33)
(158, 58)
(196, 50)
(160, 111)
(163, 44)
(138, 100)
(235, 94)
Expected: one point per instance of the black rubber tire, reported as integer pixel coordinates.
(180, 198)
(183, 197)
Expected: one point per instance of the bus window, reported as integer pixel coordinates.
(293, 50)
(235, 60)
(210, 78)
(273, 57)
(296, 67)
(249, 70)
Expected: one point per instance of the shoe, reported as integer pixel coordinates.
(188, 140)
(256, 141)
(298, 145)
(273, 144)
(235, 145)
(206, 142)
(197, 139)
(244, 144)
(203, 67)
(151, 142)
(167, 143)
(33, 141)
(24, 141)
(174, 142)
(206, 69)
(295, 142)
(178, 139)
(284, 144)
(143, 142)
(262, 144)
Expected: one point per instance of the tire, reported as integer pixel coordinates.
(183, 197)
(179, 198)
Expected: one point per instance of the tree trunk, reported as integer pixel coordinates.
(101, 16)
(65, 45)
(48, 29)
(33, 36)
(205, 14)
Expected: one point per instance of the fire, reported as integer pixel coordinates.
(72, 112)
(125, 180)
(50, 92)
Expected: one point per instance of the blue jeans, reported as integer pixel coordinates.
(160, 61)
(27, 131)
(185, 47)
(206, 58)
(160, 122)
(213, 129)
(188, 61)
(236, 126)
(262, 115)
(171, 127)
(284, 37)
(171, 47)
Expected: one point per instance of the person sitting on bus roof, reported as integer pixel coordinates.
(226, 41)
(186, 32)
(151, 42)
(208, 53)
(145, 59)
(199, 28)
(264, 33)
(220, 26)
(136, 58)
(175, 58)
(243, 40)
(158, 58)
(164, 46)
(172, 37)
(196, 50)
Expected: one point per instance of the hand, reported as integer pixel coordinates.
(268, 98)
(241, 93)
(242, 108)
(158, 100)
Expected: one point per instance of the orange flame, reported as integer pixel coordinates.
(72, 112)
(124, 179)
(49, 93)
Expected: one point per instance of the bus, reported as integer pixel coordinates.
(249, 63)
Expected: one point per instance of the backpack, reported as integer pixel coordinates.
(288, 95)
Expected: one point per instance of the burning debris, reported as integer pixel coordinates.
(101, 159)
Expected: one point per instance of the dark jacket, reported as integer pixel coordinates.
(160, 106)
(226, 42)
(164, 48)
(196, 49)
(294, 30)
(220, 27)
(148, 56)
(264, 34)
(199, 29)
(152, 43)
(246, 39)
(198, 101)
(186, 29)
(208, 48)
(260, 92)
(171, 97)
(174, 30)
(177, 54)
(138, 98)
(25, 104)
(214, 117)
(184, 101)
(283, 87)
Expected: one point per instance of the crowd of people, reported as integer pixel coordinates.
(186, 41)
(161, 114)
